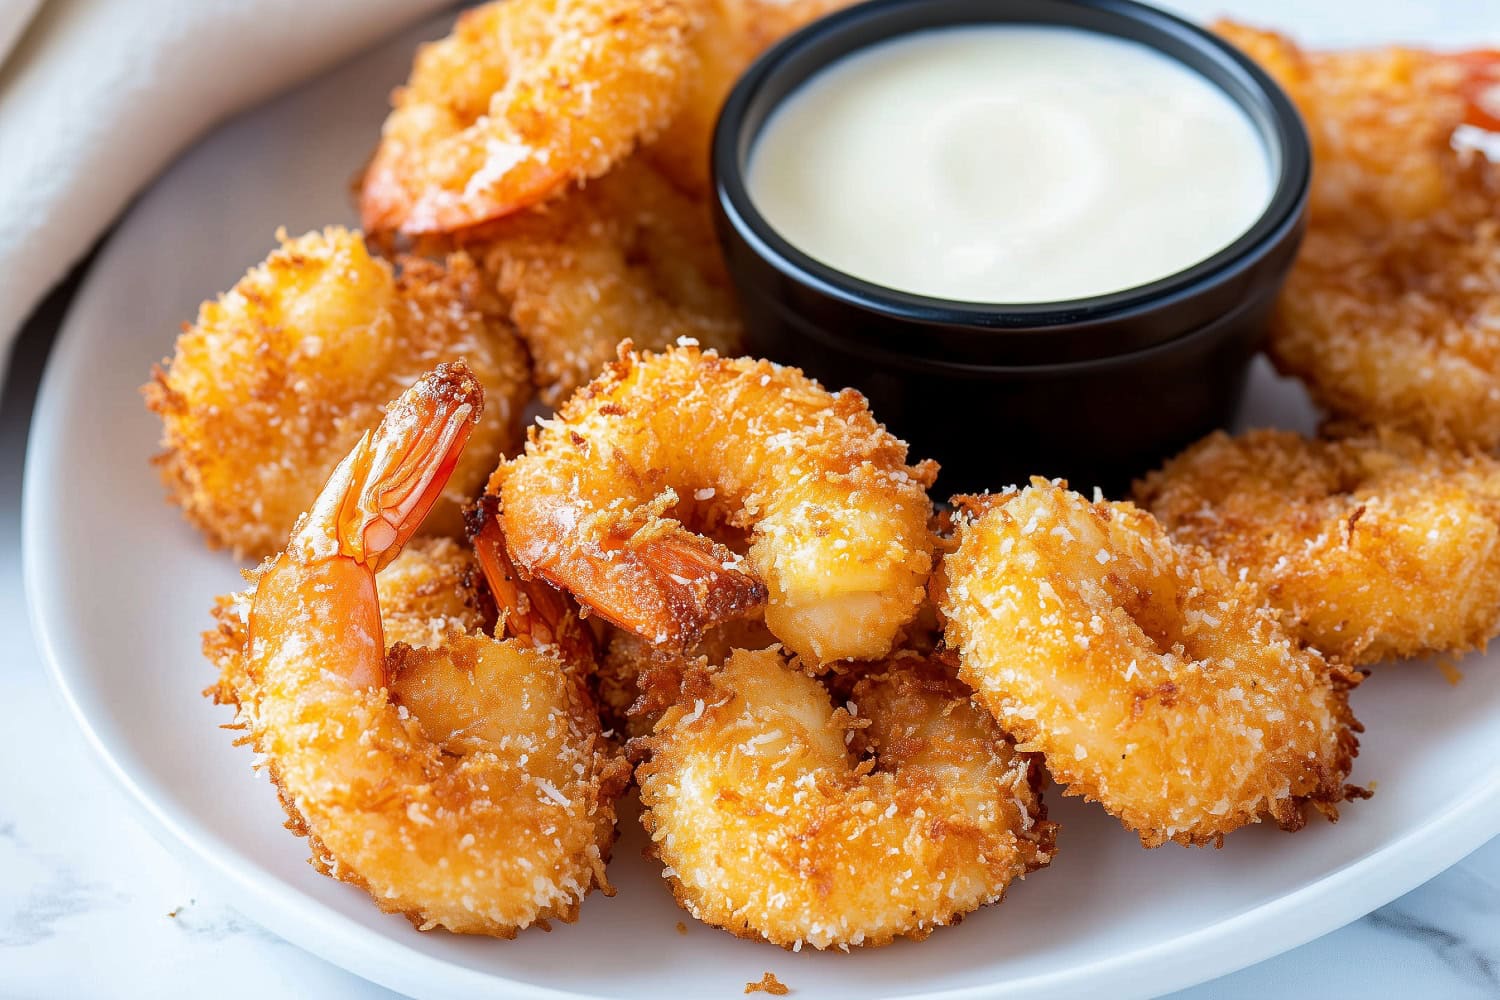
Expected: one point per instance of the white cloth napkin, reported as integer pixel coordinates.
(97, 96)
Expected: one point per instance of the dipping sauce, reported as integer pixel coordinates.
(1009, 164)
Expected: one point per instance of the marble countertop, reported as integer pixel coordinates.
(92, 906)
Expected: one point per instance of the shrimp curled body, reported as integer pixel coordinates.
(466, 786)
(839, 546)
(524, 97)
(1149, 680)
(1372, 546)
(770, 829)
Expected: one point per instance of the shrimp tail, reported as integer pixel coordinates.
(531, 610)
(378, 496)
(699, 580)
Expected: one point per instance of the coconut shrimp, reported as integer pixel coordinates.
(279, 377)
(1372, 545)
(638, 681)
(734, 33)
(839, 547)
(1389, 315)
(780, 817)
(1150, 680)
(522, 99)
(465, 785)
(628, 257)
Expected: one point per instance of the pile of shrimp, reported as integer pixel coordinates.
(1390, 313)
(1372, 545)
(841, 706)
(280, 375)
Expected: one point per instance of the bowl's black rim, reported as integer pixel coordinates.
(1282, 212)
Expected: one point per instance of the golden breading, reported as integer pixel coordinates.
(840, 547)
(1372, 546)
(780, 817)
(627, 257)
(1148, 679)
(425, 595)
(280, 376)
(523, 98)
(734, 33)
(1390, 314)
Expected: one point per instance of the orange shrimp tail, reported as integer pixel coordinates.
(699, 583)
(531, 611)
(1481, 88)
(378, 496)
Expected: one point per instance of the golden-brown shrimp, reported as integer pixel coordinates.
(637, 681)
(425, 595)
(524, 97)
(1372, 545)
(466, 786)
(770, 826)
(1149, 680)
(280, 376)
(1388, 314)
(628, 257)
(838, 520)
(734, 33)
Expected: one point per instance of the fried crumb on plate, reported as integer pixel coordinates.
(768, 984)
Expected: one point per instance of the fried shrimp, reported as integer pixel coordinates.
(524, 97)
(1372, 546)
(839, 545)
(770, 826)
(628, 257)
(280, 376)
(465, 785)
(734, 33)
(1389, 315)
(1149, 680)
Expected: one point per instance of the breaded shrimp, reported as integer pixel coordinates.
(1389, 315)
(425, 594)
(628, 257)
(770, 826)
(524, 97)
(1149, 680)
(1372, 546)
(466, 786)
(637, 681)
(840, 549)
(734, 33)
(280, 376)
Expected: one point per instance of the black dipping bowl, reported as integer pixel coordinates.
(1095, 390)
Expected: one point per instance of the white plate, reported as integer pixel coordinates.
(120, 587)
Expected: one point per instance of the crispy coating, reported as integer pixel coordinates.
(466, 786)
(1150, 681)
(637, 682)
(627, 257)
(425, 594)
(1372, 546)
(280, 376)
(770, 826)
(1392, 312)
(840, 549)
(734, 33)
(524, 97)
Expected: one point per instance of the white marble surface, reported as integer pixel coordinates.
(92, 906)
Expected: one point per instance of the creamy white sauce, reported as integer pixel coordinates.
(1009, 164)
